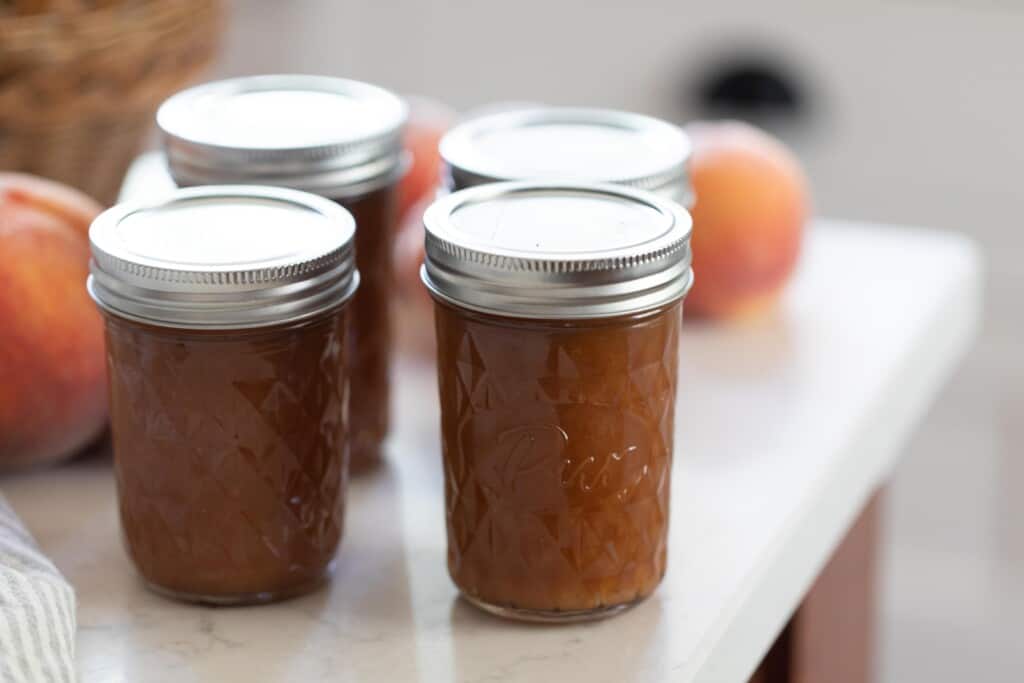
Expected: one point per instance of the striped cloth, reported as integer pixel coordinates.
(37, 610)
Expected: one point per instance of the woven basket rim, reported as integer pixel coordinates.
(53, 37)
(59, 70)
(78, 89)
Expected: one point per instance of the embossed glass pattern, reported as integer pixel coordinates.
(230, 455)
(557, 446)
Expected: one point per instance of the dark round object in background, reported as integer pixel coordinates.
(751, 87)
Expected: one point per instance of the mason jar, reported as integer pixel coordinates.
(225, 311)
(337, 138)
(558, 309)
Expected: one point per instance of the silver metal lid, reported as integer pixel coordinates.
(556, 250)
(223, 257)
(330, 136)
(569, 144)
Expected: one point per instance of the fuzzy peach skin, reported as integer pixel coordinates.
(428, 121)
(748, 221)
(53, 387)
(75, 208)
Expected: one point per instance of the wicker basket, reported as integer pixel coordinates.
(80, 81)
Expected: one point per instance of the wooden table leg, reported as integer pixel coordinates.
(830, 638)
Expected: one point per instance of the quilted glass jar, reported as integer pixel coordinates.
(337, 138)
(226, 330)
(558, 310)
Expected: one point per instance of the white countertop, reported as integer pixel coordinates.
(785, 427)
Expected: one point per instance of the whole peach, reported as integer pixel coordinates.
(748, 220)
(428, 121)
(53, 390)
(73, 207)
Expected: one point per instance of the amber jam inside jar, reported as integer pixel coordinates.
(226, 330)
(337, 138)
(370, 342)
(557, 438)
(227, 455)
(558, 311)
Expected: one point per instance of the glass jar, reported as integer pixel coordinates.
(337, 138)
(557, 312)
(569, 143)
(225, 311)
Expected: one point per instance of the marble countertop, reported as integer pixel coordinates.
(785, 427)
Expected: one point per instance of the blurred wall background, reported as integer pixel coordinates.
(904, 111)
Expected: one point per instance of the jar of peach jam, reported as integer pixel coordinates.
(337, 138)
(558, 311)
(569, 143)
(226, 352)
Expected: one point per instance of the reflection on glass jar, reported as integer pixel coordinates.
(337, 138)
(558, 311)
(225, 312)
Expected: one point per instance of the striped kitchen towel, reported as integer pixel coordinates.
(37, 610)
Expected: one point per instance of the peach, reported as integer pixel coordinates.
(53, 390)
(428, 121)
(75, 208)
(748, 221)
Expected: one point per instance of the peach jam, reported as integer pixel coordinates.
(570, 144)
(337, 138)
(558, 310)
(226, 352)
